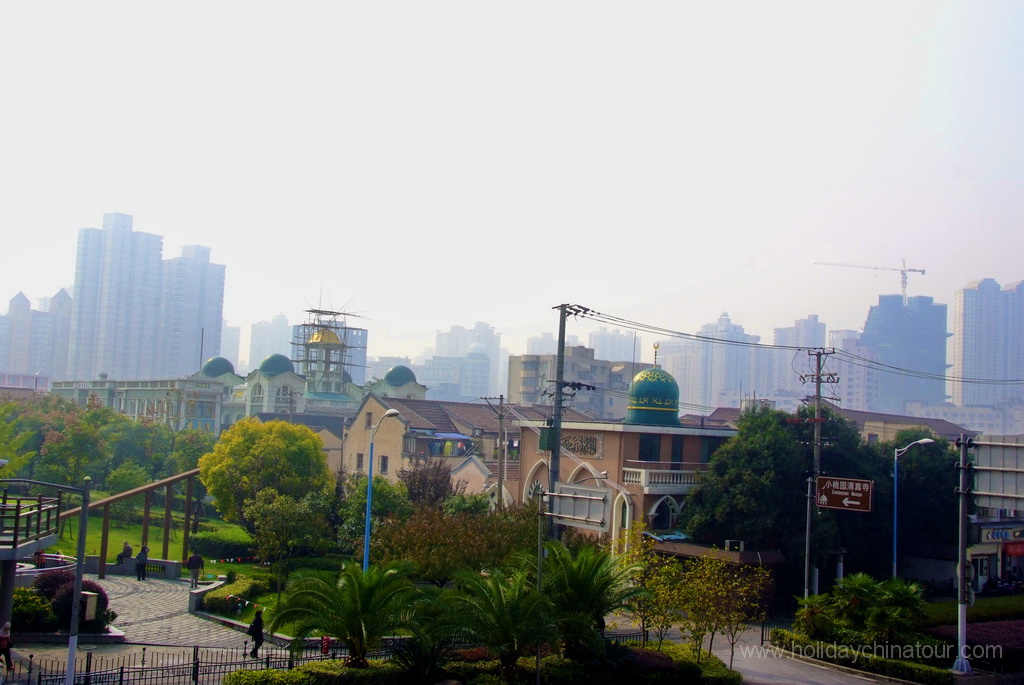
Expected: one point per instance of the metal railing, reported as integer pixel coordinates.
(24, 519)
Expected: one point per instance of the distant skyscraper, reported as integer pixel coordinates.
(615, 345)
(457, 341)
(911, 340)
(116, 310)
(547, 343)
(988, 342)
(191, 316)
(269, 337)
(716, 374)
(36, 341)
(231, 342)
(787, 366)
(857, 388)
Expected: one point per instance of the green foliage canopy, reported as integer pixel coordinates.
(251, 456)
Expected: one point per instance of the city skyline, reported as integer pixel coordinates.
(424, 166)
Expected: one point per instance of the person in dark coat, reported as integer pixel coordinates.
(6, 642)
(194, 565)
(125, 554)
(140, 563)
(256, 633)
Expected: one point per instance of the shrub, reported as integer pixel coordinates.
(268, 677)
(32, 612)
(49, 582)
(227, 542)
(218, 602)
(63, 602)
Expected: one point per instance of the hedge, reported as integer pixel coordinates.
(226, 542)
(860, 660)
(217, 602)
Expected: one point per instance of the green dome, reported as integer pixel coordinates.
(399, 375)
(216, 367)
(653, 398)
(276, 364)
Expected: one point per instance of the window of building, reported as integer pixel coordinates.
(369, 419)
(383, 463)
(359, 461)
(677, 451)
(650, 448)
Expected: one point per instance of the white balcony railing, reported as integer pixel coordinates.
(660, 482)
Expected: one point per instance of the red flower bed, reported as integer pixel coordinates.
(1008, 636)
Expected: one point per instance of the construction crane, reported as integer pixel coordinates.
(903, 272)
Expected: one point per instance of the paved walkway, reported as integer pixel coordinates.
(152, 614)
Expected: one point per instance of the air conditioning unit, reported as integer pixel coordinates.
(734, 545)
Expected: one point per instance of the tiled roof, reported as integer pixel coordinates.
(315, 422)
(441, 417)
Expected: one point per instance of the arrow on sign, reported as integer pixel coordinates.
(847, 501)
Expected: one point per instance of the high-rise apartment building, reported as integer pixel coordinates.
(191, 312)
(988, 342)
(115, 321)
(457, 341)
(269, 337)
(35, 341)
(908, 341)
(787, 366)
(717, 374)
(616, 345)
(857, 384)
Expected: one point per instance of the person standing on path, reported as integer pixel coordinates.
(140, 563)
(194, 565)
(6, 642)
(256, 633)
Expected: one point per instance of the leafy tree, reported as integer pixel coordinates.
(251, 456)
(189, 447)
(466, 504)
(127, 476)
(13, 441)
(359, 609)
(440, 544)
(284, 525)
(667, 596)
(390, 500)
(753, 486)
(897, 611)
(429, 482)
(655, 606)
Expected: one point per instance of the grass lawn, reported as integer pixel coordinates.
(1004, 608)
(119, 532)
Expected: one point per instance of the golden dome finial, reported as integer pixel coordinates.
(656, 355)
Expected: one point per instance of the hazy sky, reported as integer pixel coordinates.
(426, 164)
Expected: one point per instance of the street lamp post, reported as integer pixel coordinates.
(369, 490)
(896, 490)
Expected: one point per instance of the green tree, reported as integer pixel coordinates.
(656, 605)
(429, 482)
(476, 503)
(283, 525)
(440, 545)
(390, 500)
(127, 476)
(506, 614)
(753, 484)
(590, 580)
(358, 609)
(14, 440)
(897, 611)
(251, 456)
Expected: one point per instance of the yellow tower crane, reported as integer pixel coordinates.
(903, 272)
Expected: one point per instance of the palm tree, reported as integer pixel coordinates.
(357, 608)
(504, 613)
(898, 610)
(591, 581)
(853, 599)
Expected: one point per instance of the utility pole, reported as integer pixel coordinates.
(556, 414)
(819, 354)
(503, 452)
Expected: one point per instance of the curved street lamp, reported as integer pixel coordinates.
(369, 490)
(896, 489)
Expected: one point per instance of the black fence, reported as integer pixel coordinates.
(197, 665)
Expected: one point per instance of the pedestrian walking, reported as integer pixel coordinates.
(6, 642)
(125, 554)
(194, 565)
(140, 563)
(256, 633)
